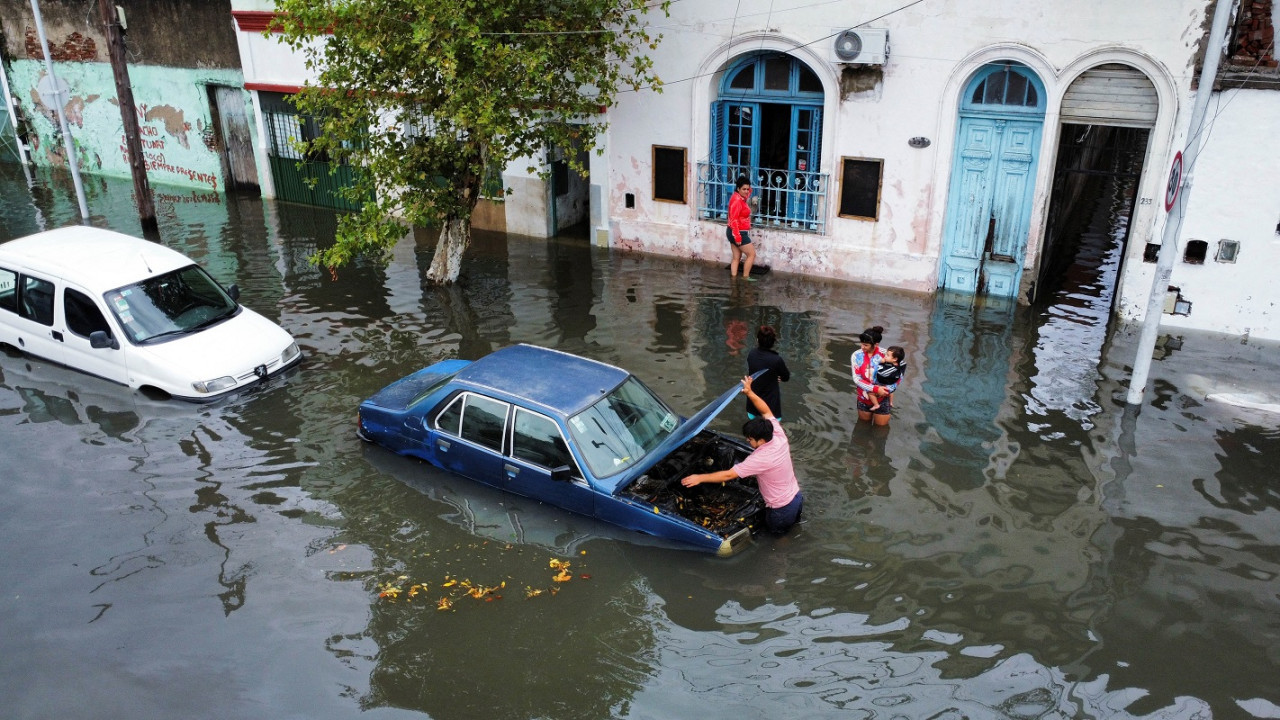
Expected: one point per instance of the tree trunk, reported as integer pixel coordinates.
(455, 236)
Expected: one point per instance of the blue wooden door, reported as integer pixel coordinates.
(735, 135)
(742, 128)
(989, 211)
(992, 183)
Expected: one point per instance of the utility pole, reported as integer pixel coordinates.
(129, 114)
(1173, 222)
(58, 98)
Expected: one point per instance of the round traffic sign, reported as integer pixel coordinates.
(53, 91)
(1175, 182)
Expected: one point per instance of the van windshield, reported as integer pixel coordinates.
(169, 305)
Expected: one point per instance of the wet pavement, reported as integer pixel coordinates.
(1015, 544)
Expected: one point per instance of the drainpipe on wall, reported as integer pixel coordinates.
(72, 162)
(1173, 223)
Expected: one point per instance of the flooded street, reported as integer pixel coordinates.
(1016, 544)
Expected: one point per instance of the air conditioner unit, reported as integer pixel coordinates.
(860, 46)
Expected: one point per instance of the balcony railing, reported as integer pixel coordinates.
(788, 199)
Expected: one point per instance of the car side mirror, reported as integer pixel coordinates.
(234, 292)
(99, 339)
(564, 472)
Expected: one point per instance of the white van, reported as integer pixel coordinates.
(134, 312)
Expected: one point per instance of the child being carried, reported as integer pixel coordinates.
(888, 373)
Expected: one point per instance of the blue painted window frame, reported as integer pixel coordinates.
(794, 195)
(729, 98)
(987, 79)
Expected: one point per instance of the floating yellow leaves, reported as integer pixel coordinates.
(456, 589)
(562, 571)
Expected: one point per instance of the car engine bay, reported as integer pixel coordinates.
(722, 508)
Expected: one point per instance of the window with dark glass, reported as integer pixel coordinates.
(745, 79)
(1006, 87)
(777, 73)
(450, 420)
(668, 174)
(809, 82)
(537, 439)
(8, 290)
(483, 420)
(83, 316)
(36, 300)
(860, 187)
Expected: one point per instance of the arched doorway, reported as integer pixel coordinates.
(992, 181)
(766, 124)
(1107, 116)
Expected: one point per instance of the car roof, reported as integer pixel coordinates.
(97, 259)
(556, 380)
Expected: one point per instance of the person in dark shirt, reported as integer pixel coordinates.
(763, 357)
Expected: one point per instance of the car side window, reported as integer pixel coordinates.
(483, 421)
(537, 439)
(35, 300)
(8, 290)
(83, 316)
(450, 419)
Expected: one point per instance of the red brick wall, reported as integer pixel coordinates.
(1254, 44)
(76, 48)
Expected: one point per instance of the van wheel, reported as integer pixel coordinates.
(154, 393)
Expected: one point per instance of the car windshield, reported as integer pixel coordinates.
(621, 428)
(169, 305)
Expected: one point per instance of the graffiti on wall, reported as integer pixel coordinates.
(157, 126)
(173, 109)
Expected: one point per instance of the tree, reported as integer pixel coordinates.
(422, 98)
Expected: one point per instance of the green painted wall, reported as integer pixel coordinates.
(174, 115)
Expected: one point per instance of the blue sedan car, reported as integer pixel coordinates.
(576, 433)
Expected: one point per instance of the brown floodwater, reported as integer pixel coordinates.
(1015, 544)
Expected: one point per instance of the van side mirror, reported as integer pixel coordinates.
(234, 292)
(563, 473)
(99, 339)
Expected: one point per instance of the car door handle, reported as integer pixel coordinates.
(512, 470)
(57, 335)
(442, 444)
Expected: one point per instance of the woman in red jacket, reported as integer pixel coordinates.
(739, 224)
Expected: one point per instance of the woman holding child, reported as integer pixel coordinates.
(876, 373)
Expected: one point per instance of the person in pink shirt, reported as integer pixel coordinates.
(769, 461)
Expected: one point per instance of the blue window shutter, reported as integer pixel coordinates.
(718, 132)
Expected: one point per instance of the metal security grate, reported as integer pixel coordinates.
(788, 199)
(311, 180)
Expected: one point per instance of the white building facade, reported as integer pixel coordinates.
(944, 154)
(901, 176)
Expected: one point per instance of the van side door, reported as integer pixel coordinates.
(29, 315)
(82, 314)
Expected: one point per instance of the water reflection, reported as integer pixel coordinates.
(967, 366)
(1013, 545)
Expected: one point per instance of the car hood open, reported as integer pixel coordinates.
(683, 434)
